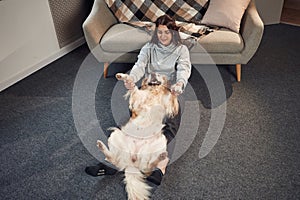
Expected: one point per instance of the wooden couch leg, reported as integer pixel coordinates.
(106, 64)
(238, 69)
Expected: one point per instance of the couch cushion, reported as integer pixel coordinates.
(124, 38)
(225, 13)
(220, 41)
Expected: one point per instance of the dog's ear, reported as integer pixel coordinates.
(175, 105)
(144, 83)
(167, 87)
(165, 80)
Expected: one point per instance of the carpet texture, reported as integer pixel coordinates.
(257, 155)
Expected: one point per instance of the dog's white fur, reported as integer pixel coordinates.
(139, 146)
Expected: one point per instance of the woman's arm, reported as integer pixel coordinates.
(138, 70)
(184, 66)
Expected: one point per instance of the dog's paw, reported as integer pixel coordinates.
(100, 145)
(163, 156)
(121, 76)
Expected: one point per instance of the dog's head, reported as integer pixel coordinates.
(154, 91)
(155, 79)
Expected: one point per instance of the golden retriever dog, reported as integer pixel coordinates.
(139, 146)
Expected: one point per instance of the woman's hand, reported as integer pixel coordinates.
(177, 88)
(129, 84)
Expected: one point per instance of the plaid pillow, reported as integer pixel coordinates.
(150, 10)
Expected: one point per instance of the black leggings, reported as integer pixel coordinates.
(172, 126)
(170, 130)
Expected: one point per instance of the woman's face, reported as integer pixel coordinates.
(164, 35)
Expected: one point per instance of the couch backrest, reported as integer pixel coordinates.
(150, 10)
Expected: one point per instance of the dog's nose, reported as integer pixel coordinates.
(153, 77)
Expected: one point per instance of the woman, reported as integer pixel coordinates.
(164, 54)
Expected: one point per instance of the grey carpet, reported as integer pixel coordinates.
(256, 157)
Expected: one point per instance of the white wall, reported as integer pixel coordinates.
(28, 40)
(270, 10)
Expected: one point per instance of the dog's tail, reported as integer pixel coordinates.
(136, 186)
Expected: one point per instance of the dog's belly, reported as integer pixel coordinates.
(135, 152)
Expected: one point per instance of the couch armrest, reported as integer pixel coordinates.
(252, 29)
(97, 23)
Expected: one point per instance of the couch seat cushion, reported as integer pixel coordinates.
(124, 38)
(220, 41)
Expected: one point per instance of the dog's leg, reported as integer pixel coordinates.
(160, 158)
(105, 151)
(162, 165)
(121, 76)
(161, 161)
(126, 77)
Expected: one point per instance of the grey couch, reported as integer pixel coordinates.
(110, 41)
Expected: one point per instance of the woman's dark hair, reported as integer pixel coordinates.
(171, 25)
